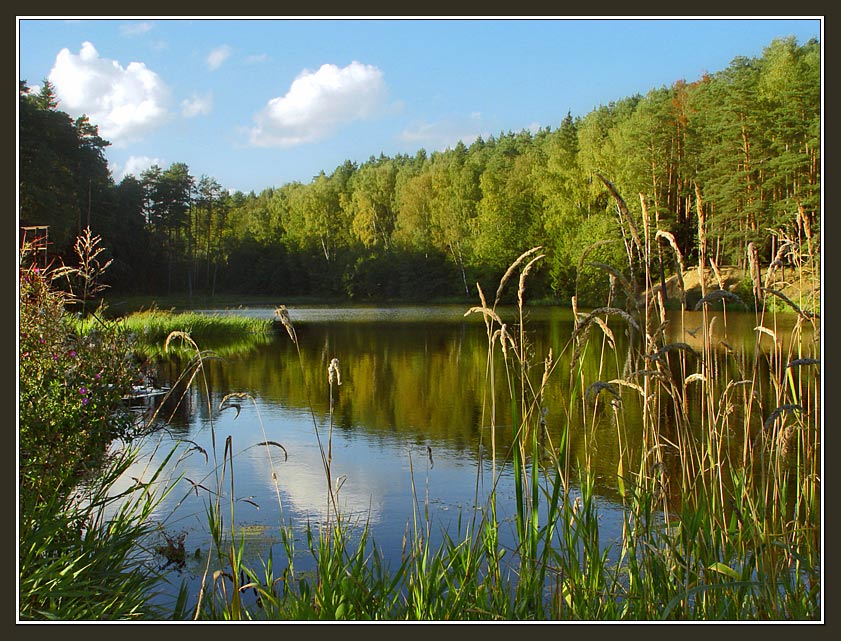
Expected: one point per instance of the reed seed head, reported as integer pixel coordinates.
(333, 373)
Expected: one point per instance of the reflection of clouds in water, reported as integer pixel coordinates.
(364, 481)
(303, 485)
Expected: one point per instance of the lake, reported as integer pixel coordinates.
(411, 426)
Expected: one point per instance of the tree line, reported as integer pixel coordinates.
(741, 147)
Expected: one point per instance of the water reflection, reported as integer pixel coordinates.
(411, 422)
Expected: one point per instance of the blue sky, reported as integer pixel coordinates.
(257, 103)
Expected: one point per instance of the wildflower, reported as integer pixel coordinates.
(83, 391)
(85, 400)
(72, 353)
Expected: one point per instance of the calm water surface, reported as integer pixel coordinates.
(410, 424)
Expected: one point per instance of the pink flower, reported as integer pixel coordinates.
(83, 390)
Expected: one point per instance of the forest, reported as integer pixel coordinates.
(739, 148)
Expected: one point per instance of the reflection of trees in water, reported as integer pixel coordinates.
(426, 382)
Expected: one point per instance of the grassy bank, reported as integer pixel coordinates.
(150, 328)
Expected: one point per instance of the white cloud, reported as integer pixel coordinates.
(254, 59)
(124, 102)
(135, 28)
(135, 165)
(445, 133)
(319, 102)
(216, 57)
(197, 105)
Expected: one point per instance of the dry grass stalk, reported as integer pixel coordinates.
(606, 331)
(594, 389)
(797, 362)
(582, 329)
(805, 315)
(282, 314)
(587, 250)
(782, 250)
(702, 224)
(522, 285)
(766, 331)
(718, 294)
(624, 213)
(678, 257)
(625, 383)
(755, 277)
(781, 438)
(645, 223)
(685, 347)
(618, 275)
(590, 318)
(803, 221)
(788, 407)
(716, 272)
(673, 243)
(333, 373)
(510, 271)
(487, 312)
(548, 365)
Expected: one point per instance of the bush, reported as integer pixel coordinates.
(70, 386)
(80, 549)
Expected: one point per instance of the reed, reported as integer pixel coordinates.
(721, 499)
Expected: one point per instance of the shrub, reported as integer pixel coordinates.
(71, 387)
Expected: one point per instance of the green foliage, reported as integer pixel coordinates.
(81, 557)
(747, 137)
(153, 326)
(80, 554)
(64, 177)
(71, 388)
(395, 276)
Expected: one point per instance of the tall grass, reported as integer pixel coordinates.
(720, 503)
(153, 326)
(84, 558)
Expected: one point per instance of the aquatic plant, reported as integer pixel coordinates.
(720, 492)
